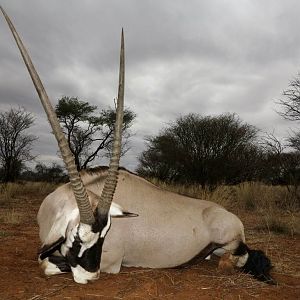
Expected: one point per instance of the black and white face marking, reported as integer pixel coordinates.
(83, 246)
(80, 251)
(83, 249)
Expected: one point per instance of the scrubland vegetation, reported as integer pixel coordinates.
(276, 208)
(13, 195)
(9, 191)
(268, 212)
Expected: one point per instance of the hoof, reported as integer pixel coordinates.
(82, 276)
(225, 264)
(50, 268)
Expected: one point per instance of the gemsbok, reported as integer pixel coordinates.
(160, 229)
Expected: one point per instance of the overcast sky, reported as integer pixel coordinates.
(207, 57)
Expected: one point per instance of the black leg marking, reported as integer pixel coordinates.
(47, 250)
(60, 262)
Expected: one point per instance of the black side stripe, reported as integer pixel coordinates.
(209, 249)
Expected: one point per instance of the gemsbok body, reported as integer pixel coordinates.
(170, 229)
(82, 231)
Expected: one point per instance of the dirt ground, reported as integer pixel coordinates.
(20, 276)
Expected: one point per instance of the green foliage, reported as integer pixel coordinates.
(74, 109)
(206, 150)
(54, 173)
(90, 133)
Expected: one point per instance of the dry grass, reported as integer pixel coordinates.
(277, 210)
(274, 221)
(12, 194)
(12, 217)
(10, 191)
(3, 234)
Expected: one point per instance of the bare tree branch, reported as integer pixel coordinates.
(15, 145)
(89, 133)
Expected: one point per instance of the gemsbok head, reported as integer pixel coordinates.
(83, 250)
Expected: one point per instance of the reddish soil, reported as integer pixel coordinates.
(21, 277)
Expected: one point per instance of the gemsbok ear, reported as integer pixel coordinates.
(116, 211)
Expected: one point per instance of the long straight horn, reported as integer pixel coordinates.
(85, 209)
(112, 177)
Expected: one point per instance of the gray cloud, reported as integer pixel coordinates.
(206, 57)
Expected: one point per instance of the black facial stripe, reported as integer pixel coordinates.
(60, 262)
(90, 259)
(101, 222)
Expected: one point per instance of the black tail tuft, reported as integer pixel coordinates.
(257, 264)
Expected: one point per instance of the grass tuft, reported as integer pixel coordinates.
(275, 224)
(3, 234)
(12, 217)
(10, 191)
